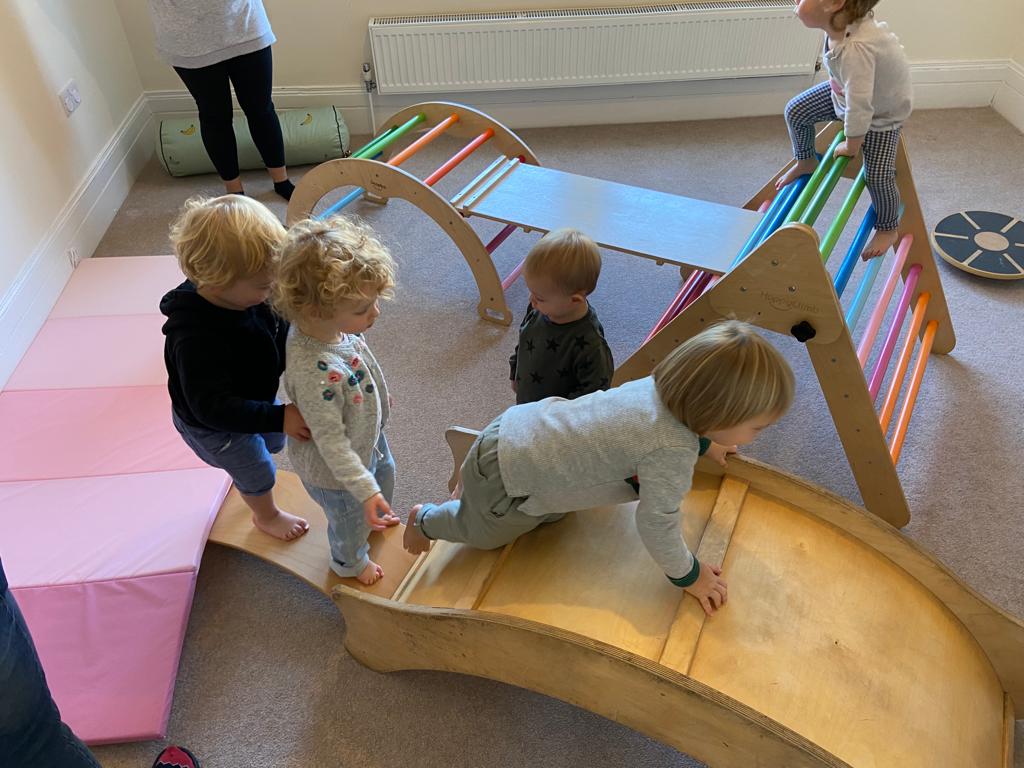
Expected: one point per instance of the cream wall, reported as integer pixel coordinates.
(323, 42)
(46, 156)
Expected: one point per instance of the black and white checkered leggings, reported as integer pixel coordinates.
(815, 106)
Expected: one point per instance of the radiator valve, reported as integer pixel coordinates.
(368, 80)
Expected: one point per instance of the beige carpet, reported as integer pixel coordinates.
(264, 680)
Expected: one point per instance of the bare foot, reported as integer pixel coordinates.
(281, 525)
(413, 540)
(800, 168)
(371, 574)
(880, 242)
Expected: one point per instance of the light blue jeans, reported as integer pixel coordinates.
(347, 531)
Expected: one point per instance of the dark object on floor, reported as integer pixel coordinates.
(176, 757)
(982, 243)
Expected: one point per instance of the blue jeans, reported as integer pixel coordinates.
(245, 457)
(347, 531)
(31, 732)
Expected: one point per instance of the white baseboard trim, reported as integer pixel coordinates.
(80, 224)
(938, 85)
(1009, 99)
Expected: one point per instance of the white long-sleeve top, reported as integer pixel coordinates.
(870, 78)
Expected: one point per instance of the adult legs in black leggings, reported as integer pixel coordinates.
(252, 77)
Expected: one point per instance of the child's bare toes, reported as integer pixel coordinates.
(282, 526)
(880, 243)
(371, 574)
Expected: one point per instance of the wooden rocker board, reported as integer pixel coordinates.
(643, 222)
(983, 243)
(843, 643)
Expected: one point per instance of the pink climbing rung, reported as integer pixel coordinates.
(673, 308)
(868, 340)
(513, 275)
(882, 365)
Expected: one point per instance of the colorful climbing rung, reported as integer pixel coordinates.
(875, 321)
(458, 157)
(822, 194)
(853, 253)
(839, 223)
(811, 188)
(375, 147)
(882, 364)
(893, 393)
(423, 140)
(903, 422)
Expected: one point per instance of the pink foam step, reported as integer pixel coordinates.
(109, 527)
(129, 285)
(110, 650)
(82, 352)
(68, 433)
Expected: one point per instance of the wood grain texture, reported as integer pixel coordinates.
(309, 556)
(640, 694)
(833, 640)
(684, 634)
(643, 222)
(385, 181)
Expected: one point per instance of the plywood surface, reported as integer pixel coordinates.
(829, 638)
(308, 557)
(590, 574)
(635, 220)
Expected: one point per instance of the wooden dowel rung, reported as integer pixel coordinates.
(903, 422)
(903, 362)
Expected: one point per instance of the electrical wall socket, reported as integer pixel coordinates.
(70, 97)
(74, 257)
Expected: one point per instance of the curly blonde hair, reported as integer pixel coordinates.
(223, 239)
(568, 258)
(326, 262)
(724, 376)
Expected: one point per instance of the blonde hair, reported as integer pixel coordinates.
(223, 239)
(326, 262)
(569, 258)
(724, 376)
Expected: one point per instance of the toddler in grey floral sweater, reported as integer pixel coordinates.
(332, 275)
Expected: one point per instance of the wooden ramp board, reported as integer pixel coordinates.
(843, 644)
(644, 222)
(309, 556)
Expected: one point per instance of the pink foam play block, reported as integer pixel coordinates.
(97, 528)
(110, 651)
(89, 432)
(83, 352)
(130, 285)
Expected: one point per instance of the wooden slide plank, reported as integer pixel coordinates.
(644, 222)
(590, 574)
(684, 634)
(829, 638)
(309, 556)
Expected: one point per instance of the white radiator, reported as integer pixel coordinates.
(605, 46)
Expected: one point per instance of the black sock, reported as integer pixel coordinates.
(284, 188)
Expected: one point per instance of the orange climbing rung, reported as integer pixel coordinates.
(915, 385)
(458, 157)
(893, 393)
(423, 140)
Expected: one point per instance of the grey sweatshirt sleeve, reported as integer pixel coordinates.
(326, 421)
(665, 479)
(859, 85)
